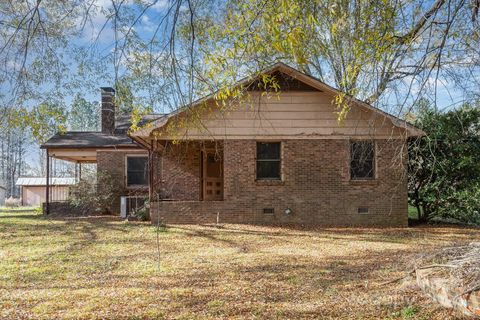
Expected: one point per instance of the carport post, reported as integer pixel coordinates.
(150, 175)
(47, 189)
(76, 172)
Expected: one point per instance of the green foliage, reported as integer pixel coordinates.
(168, 58)
(141, 213)
(84, 115)
(444, 179)
(44, 120)
(124, 98)
(406, 313)
(409, 312)
(90, 197)
(127, 103)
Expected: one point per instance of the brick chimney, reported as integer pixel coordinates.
(108, 110)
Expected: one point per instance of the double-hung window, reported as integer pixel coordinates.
(269, 161)
(362, 160)
(137, 171)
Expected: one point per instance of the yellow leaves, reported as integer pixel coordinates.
(254, 28)
(351, 74)
(342, 105)
(135, 117)
(312, 20)
(334, 29)
(43, 120)
(334, 9)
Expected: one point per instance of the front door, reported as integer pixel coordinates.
(212, 174)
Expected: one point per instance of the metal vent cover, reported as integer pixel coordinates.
(362, 209)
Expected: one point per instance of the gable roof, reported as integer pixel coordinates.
(298, 75)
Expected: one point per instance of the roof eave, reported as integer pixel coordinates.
(133, 145)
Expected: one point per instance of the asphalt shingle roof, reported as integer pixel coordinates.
(94, 139)
(75, 139)
(123, 122)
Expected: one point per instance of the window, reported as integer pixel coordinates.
(362, 160)
(268, 161)
(137, 171)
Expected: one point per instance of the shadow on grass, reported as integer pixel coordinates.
(276, 281)
(342, 235)
(21, 216)
(210, 235)
(247, 283)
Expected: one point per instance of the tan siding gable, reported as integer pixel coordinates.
(292, 115)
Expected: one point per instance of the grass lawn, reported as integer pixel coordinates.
(102, 268)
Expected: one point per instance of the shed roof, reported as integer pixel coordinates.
(42, 181)
(96, 139)
(76, 139)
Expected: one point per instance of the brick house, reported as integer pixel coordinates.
(265, 158)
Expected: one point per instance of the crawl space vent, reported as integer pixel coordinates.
(362, 210)
(268, 210)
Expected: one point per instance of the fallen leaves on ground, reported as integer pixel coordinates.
(104, 268)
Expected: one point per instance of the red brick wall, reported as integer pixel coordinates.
(178, 169)
(112, 163)
(316, 186)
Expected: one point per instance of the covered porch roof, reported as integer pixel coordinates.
(74, 155)
(81, 147)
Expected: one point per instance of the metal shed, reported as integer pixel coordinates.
(33, 189)
(2, 194)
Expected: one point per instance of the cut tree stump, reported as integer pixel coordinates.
(445, 292)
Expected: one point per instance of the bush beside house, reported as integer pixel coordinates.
(444, 167)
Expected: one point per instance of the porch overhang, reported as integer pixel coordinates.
(82, 147)
(74, 155)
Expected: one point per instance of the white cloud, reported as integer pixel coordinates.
(160, 5)
(98, 17)
(147, 23)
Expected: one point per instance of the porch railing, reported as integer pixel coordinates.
(129, 204)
